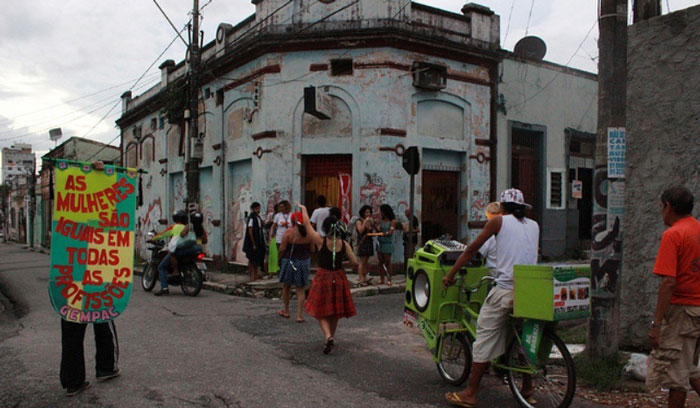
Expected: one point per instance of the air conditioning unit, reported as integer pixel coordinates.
(431, 77)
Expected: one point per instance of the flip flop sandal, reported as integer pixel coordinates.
(328, 346)
(283, 314)
(454, 399)
(300, 320)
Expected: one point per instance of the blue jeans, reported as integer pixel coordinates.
(163, 267)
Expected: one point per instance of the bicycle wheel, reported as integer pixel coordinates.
(148, 278)
(554, 383)
(456, 358)
(191, 281)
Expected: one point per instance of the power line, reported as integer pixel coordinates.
(171, 23)
(132, 87)
(62, 118)
(510, 14)
(527, 27)
(70, 100)
(558, 72)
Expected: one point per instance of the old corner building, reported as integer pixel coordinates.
(393, 74)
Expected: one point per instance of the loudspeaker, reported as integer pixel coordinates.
(424, 292)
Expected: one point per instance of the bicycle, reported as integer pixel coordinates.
(540, 356)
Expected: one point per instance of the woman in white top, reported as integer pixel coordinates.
(517, 240)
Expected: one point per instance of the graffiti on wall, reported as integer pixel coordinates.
(606, 254)
(480, 199)
(242, 199)
(148, 222)
(374, 192)
(208, 214)
(179, 192)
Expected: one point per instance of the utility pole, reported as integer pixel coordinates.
(645, 9)
(606, 254)
(192, 165)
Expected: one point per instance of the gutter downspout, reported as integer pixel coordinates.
(224, 262)
(493, 145)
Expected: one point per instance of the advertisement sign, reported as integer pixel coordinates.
(344, 195)
(317, 103)
(616, 204)
(92, 241)
(617, 146)
(577, 189)
(571, 293)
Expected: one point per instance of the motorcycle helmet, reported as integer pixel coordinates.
(180, 216)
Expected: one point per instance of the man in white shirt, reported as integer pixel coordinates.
(319, 215)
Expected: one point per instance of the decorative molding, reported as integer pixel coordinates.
(392, 132)
(259, 152)
(163, 172)
(476, 224)
(163, 161)
(216, 223)
(318, 67)
(480, 157)
(382, 64)
(163, 221)
(399, 149)
(270, 69)
(216, 146)
(218, 161)
(268, 134)
(482, 142)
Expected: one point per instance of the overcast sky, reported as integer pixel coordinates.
(65, 63)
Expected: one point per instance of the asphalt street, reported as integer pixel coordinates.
(216, 350)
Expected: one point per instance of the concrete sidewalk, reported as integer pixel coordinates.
(237, 284)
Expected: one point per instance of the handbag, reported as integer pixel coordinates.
(187, 241)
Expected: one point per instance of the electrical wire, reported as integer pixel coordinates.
(132, 87)
(558, 72)
(529, 16)
(510, 14)
(64, 119)
(7, 120)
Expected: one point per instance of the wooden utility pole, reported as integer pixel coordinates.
(192, 164)
(606, 254)
(645, 9)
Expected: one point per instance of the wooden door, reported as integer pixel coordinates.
(440, 192)
(525, 169)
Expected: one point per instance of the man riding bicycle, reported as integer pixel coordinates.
(517, 239)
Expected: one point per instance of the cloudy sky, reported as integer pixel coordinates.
(65, 63)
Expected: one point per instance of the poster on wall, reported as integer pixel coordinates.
(617, 146)
(92, 241)
(577, 189)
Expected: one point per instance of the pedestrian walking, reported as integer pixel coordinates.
(387, 225)
(282, 221)
(295, 252)
(365, 244)
(254, 241)
(410, 248)
(329, 298)
(488, 250)
(72, 372)
(675, 330)
(269, 222)
(320, 214)
(517, 244)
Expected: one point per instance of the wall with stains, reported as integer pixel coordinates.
(663, 122)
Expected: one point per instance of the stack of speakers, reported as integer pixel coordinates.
(424, 273)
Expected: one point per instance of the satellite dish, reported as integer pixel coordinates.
(530, 47)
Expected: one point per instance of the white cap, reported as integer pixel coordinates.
(513, 195)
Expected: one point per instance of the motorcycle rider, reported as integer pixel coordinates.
(176, 231)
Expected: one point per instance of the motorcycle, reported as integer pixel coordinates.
(191, 268)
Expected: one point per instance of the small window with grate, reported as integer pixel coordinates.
(341, 67)
(555, 190)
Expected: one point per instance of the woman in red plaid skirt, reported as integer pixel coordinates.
(329, 297)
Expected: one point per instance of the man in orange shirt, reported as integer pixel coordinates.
(675, 330)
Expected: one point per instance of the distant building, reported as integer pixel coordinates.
(17, 161)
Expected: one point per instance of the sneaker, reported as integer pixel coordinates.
(74, 391)
(162, 292)
(104, 376)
